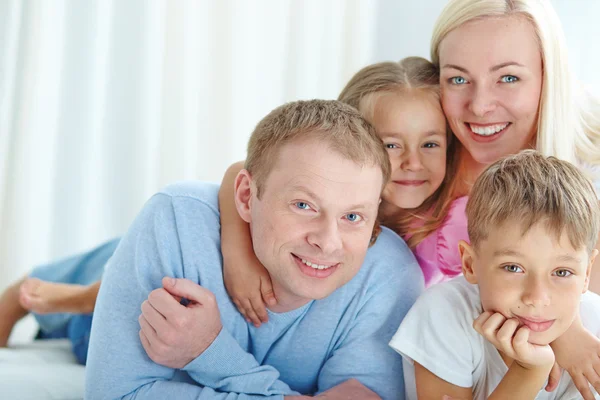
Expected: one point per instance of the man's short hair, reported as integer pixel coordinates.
(527, 188)
(337, 125)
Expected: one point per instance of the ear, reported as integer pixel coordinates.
(589, 270)
(467, 256)
(242, 188)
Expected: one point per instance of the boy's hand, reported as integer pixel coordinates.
(250, 289)
(512, 340)
(578, 351)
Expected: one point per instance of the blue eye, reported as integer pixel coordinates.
(563, 273)
(513, 268)
(352, 217)
(509, 79)
(430, 145)
(391, 146)
(458, 80)
(302, 205)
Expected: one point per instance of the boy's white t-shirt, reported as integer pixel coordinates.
(438, 333)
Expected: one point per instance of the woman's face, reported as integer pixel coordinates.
(491, 80)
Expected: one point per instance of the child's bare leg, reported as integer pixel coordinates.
(49, 297)
(10, 311)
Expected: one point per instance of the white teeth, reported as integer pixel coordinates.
(315, 266)
(487, 130)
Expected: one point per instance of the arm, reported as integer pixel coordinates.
(118, 366)
(430, 386)
(247, 281)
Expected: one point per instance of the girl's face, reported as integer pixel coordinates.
(413, 128)
(491, 80)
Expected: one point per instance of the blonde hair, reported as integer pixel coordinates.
(564, 129)
(362, 92)
(528, 188)
(334, 123)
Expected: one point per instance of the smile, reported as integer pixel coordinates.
(487, 130)
(410, 182)
(315, 269)
(536, 325)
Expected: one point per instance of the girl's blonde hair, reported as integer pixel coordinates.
(362, 92)
(568, 118)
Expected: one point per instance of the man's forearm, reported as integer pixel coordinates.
(521, 383)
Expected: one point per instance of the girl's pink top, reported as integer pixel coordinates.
(438, 253)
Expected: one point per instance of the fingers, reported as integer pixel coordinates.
(187, 289)
(153, 317)
(520, 341)
(553, 378)
(266, 289)
(164, 303)
(583, 386)
(258, 306)
(251, 316)
(593, 375)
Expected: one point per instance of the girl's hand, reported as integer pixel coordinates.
(578, 351)
(249, 286)
(513, 341)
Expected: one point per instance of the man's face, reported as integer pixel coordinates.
(533, 277)
(312, 226)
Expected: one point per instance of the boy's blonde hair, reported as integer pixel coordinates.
(336, 124)
(528, 188)
(409, 74)
(568, 125)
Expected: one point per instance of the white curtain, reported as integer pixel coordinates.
(103, 102)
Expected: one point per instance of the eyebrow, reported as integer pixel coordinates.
(313, 195)
(493, 69)
(507, 252)
(427, 134)
(568, 258)
(513, 253)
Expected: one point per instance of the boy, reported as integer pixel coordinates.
(533, 224)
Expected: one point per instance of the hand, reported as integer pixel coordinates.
(250, 288)
(172, 334)
(578, 351)
(352, 389)
(553, 378)
(512, 340)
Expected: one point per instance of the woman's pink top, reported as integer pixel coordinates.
(438, 253)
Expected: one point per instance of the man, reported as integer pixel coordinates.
(310, 192)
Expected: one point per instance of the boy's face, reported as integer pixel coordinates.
(533, 277)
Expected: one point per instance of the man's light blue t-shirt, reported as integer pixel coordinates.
(307, 350)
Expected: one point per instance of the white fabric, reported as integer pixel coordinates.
(104, 102)
(438, 334)
(42, 370)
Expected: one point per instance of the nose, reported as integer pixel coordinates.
(536, 293)
(326, 236)
(482, 101)
(411, 160)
